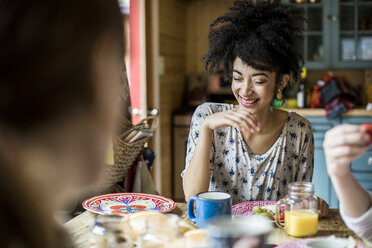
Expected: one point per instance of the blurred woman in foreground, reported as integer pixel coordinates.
(60, 65)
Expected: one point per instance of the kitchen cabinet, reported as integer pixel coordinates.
(361, 167)
(337, 34)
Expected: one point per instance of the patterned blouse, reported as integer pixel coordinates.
(249, 177)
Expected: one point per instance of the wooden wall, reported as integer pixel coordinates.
(200, 14)
(183, 40)
(172, 47)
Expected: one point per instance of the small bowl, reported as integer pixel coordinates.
(326, 243)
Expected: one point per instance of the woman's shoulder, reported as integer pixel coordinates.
(209, 108)
(298, 122)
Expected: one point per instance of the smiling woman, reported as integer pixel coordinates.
(251, 150)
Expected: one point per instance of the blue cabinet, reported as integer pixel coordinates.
(321, 180)
(361, 167)
(337, 34)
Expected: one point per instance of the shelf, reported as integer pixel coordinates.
(321, 112)
(313, 33)
(356, 4)
(365, 32)
(359, 32)
(364, 3)
(309, 5)
(347, 4)
(347, 32)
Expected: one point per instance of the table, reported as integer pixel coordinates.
(79, 227)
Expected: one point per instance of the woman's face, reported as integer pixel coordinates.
(254, 89)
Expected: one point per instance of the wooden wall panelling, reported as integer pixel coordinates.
(200, 14)
(172, 46)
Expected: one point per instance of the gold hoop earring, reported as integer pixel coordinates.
(279, 94)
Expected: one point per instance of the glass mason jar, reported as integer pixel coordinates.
(110, 231)
(162, 233)
(297, 213)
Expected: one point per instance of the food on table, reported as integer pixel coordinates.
(368, 127)
(267, 211)
(300, 223)
(185, 226)
(137, 222)
(196, 238)
(256, 209)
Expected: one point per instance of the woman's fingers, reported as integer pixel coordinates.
(228, 121)
(342, 145)
(351, 152)
(342, 135)
(249, 117)
(345, 128)
(238, 119)
(250, 123)
(339, 158)
(357, 138)
(241, 123)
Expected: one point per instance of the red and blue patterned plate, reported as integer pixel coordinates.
(127, 203)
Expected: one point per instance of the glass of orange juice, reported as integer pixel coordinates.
(297, 214)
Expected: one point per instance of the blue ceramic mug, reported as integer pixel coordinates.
(209, 205)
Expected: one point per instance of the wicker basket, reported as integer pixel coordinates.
(125, 155)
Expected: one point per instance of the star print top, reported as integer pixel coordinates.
(247, 176)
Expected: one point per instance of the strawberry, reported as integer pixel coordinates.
(368, 127)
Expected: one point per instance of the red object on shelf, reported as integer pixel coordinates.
(316, 100)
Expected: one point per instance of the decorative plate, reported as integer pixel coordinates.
(245, 208)
(300, 243)
(127, 203)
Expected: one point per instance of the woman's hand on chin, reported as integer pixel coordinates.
(238, 118)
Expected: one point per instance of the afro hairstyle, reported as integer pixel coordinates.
(261, 33)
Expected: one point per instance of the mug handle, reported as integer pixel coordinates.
(190, 209)
(280, 213)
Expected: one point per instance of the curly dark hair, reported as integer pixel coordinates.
(261, 33)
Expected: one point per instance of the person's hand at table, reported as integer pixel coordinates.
(342, 145)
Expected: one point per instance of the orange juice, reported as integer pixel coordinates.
(300, 223)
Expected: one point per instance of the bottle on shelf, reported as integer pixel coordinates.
(301, 94)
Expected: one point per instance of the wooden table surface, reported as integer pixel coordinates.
(79, 227)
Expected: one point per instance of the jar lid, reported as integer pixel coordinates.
(301, 187)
